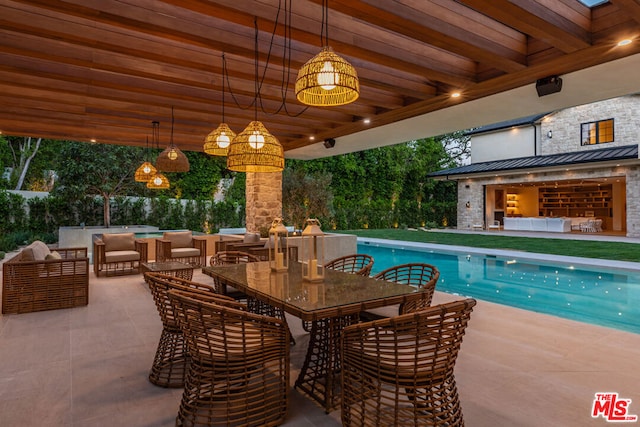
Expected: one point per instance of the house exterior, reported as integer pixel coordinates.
(575, 164)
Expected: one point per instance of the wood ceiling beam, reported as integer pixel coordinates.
(538, 20)
(355, 40)
(437, 26)
(630, 7)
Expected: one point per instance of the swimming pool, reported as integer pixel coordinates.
(593, 294)
(158, 234)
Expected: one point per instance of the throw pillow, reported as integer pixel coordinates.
(53, 255)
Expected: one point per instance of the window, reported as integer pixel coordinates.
(592, 3)
(596, 132)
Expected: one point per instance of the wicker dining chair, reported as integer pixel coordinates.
(228, 258)
(239, 370)
(422, 276)
(170, 362)
(255, 305)
(360, 264)
(400, 370)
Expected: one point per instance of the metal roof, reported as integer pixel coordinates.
(522, 121)
(588, 156)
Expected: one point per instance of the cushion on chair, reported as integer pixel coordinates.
(53, 268)
(53, 255)
(119, 242)
(121, 256)
(27, 254)
(251, 238)
(179, 239)
(184, 252)
(36, 251)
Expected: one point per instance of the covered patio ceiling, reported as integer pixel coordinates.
(103, 70)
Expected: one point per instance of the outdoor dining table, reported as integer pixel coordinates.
(329, 305)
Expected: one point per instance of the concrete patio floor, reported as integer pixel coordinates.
(88, 366)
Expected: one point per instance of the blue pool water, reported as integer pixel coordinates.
(597, 295)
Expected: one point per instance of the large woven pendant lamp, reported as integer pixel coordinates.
(146, 170)
(218, 141)
(172, 159)
(157, 181)
(327, 79)
(255, 149)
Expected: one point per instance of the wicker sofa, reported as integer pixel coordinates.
(118, 253)
(39, 278)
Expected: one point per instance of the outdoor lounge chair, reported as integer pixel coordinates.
(400, 371)
(181, 246)
(239, 365)
(118, 253)
(39, 278)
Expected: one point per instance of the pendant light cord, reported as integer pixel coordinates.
(257, 95)
(324, 30)
(156, 133)
(171, 142)
(224, 73)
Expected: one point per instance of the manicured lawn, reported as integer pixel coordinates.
(582, 248)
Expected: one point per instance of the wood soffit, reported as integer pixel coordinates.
(105, 69)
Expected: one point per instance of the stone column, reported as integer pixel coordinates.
(264, 199)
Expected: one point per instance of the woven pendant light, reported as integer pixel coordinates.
(255, 149)
(146, 170)
(327, 79)
(158, 182)
(172, 159)
(218, 141)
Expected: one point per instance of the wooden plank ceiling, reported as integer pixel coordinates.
(105, 69)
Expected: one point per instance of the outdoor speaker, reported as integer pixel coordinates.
(548, 85)
(329, 143)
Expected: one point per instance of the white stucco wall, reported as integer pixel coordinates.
(504, 144)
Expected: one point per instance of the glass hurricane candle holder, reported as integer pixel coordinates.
(278, 246)
(312, 252)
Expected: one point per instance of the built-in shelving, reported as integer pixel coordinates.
(576, 201)
(512, 205)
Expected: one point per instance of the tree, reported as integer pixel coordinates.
(97, 170)
(23, 150)
(305, 196)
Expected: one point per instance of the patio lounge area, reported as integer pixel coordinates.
(89, 366)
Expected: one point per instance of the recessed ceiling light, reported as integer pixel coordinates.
(624, 42)
(367, 121)
(93, 140)
(312, 138)
(455, 95)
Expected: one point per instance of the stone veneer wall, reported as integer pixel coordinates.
(565, 125)
(472, 192)
(264, 199)
(633, 202)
